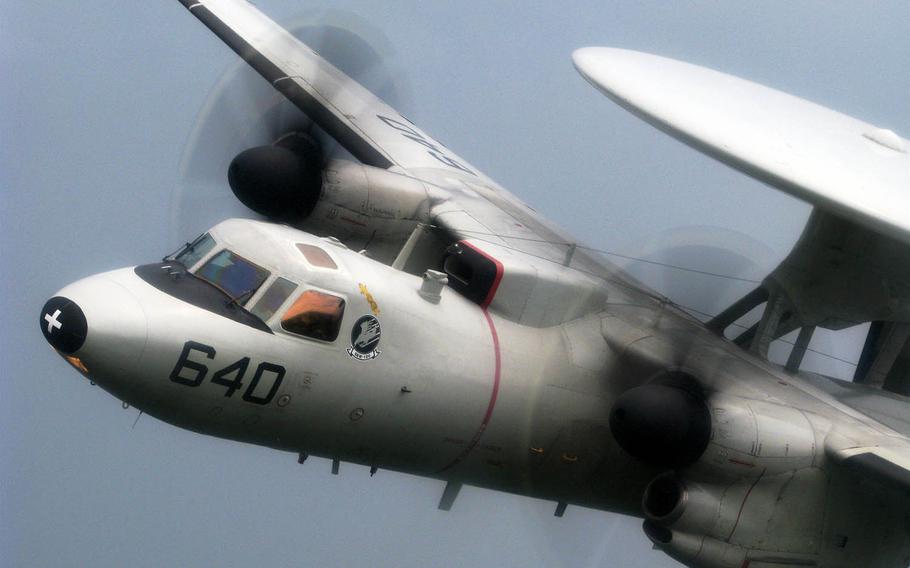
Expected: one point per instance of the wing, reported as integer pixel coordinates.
(375, 133)
(834, 161)
(887, 463)
(549, 279)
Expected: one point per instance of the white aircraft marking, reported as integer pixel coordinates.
(52, 321)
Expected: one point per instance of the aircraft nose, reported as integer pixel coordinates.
(100, 321)
(63, 324)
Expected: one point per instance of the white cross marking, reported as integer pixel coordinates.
(52, 321)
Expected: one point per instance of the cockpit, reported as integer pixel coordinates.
(263, 289)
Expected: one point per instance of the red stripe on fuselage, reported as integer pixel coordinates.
(497, 372)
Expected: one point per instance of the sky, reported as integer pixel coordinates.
(97, 104)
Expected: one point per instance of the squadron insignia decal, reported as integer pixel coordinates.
(365, 339)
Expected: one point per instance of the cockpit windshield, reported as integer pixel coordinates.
(193, 252)
(236, 276)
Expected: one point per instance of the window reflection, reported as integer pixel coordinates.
(316, 256)
(316, 315)
(272, 299)
(194, 251)
(236, 276)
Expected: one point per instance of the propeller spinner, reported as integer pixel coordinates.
(273, 154)
(280, 181)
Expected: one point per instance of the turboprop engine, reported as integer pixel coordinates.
(289, 181)
(743, 473)
(282, 181)
(291, 161)
(726, 524)
(671, 422)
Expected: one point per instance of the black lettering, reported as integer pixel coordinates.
(422, 141)
(412, 134)
(278, 374)
(183, 362)
(238, 369)
(399, 126)
(450, 162)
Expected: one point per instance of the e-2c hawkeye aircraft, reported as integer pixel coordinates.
(402, 311)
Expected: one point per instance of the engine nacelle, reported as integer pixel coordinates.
(753, 437)
(670, 501)
(671, 423)
(698, 551)
(777, 519)
(288, 181)
(367, 204)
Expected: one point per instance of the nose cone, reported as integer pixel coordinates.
(99, 320)
(63, 324)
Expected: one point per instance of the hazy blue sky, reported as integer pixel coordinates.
(97, 101)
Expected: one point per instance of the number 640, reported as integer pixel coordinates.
(230, 376)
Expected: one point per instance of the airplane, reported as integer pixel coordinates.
(403, 311)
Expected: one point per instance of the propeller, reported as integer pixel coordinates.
(700, 268)
(704, 270)
(666, 422)
(271, 154)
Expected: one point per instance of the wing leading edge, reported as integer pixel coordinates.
(372, 131)
(466, 203)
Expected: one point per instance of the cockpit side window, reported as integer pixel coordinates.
(272, 299)
(316, 315)
(236, 276)
(193, 252)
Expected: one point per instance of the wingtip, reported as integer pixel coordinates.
(596, 63)
(584, 57)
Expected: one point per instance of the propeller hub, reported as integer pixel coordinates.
(281, 181)
(664, 423)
